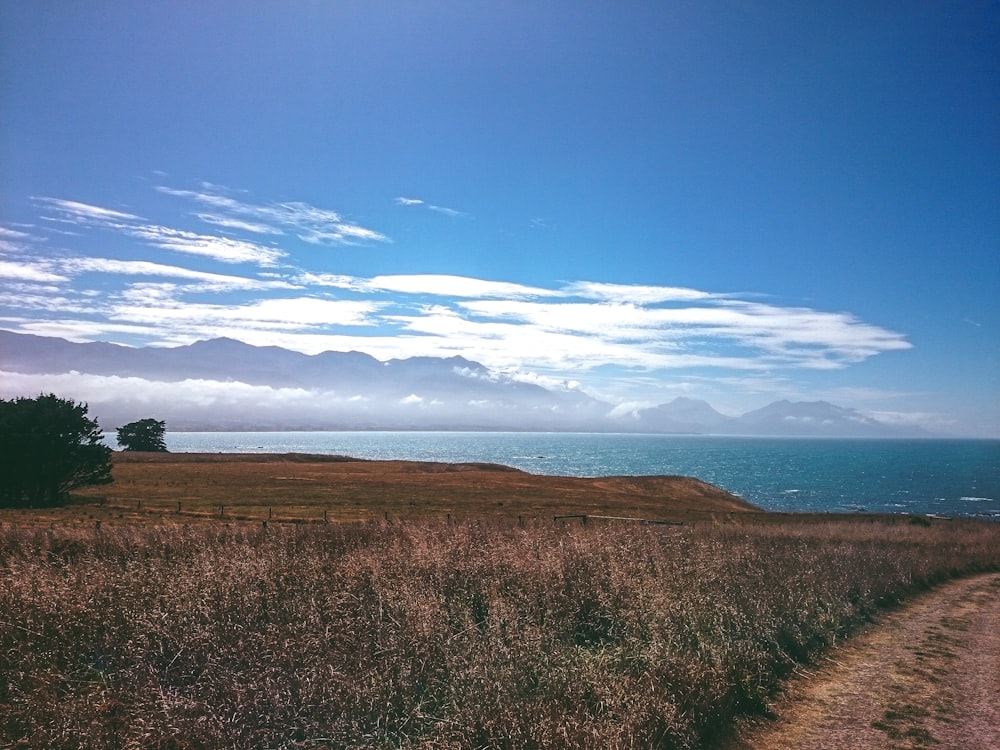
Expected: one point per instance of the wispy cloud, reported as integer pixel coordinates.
(635, 293)
(224, 249)
(13, 234)
(307, 222)
(402, 201)
(239, 224)
(15, 242)
(83, 212)
(504, 325)
(430, 285)
(778, 336)
(443, 285)
(31, 299)
(560, 332)
(215, 281)
(281, 314)
(446, 211)
(40, 273)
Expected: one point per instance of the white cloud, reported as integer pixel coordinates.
(16, 242)
(928, 420)
(798, 336)
(146, 268)
(244, 226)
(401, 201)
(309, 223)
(545, 381)
(629, 409)
(446, 211)
(224, 249)
(341, 234)
(36, 298)
(81, 330)
(565, 333)
(332, 280)
(432, 285)
(635, 293)
(445, 332)
(84, 212)
(97, 390)
(443, 285)
(294, 314)
(29, 271)
(503, 325)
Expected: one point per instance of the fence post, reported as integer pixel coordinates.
(222, 511)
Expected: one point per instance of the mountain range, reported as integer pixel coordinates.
(223, 384)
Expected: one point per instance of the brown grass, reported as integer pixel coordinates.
(149, 486)
(425, 634)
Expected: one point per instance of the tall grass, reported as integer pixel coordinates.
(434, 636)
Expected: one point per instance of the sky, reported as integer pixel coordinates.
(737, 201)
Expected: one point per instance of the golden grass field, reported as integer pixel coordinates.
(309, 488)
(424, 614)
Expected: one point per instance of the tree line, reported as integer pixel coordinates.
(49, 446)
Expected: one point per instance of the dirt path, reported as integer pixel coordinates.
(928, 675)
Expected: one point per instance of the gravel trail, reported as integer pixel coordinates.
(926, 676)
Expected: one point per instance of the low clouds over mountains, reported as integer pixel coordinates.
(223, 384)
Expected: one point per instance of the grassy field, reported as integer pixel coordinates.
(188, 487)
(481, 632)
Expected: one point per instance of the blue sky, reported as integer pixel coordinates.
(736, 201)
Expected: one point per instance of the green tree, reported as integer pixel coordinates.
(48, 446)
(144, 435)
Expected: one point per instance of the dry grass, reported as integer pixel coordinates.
(150, 487)
(423, 634)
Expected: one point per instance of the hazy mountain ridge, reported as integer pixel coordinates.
(224, 384)
(781, 418)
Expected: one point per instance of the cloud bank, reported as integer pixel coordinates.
(241, 269)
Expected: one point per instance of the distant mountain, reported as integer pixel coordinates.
(686, 415)
(814, 418)
(331, 390)
(223, 384)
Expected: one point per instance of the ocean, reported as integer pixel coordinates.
(945, 477)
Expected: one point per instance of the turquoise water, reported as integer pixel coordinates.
(948, 477)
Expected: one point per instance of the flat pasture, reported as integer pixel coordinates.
(189, 487)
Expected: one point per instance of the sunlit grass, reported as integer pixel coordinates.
(188, 488)
(480, 634)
